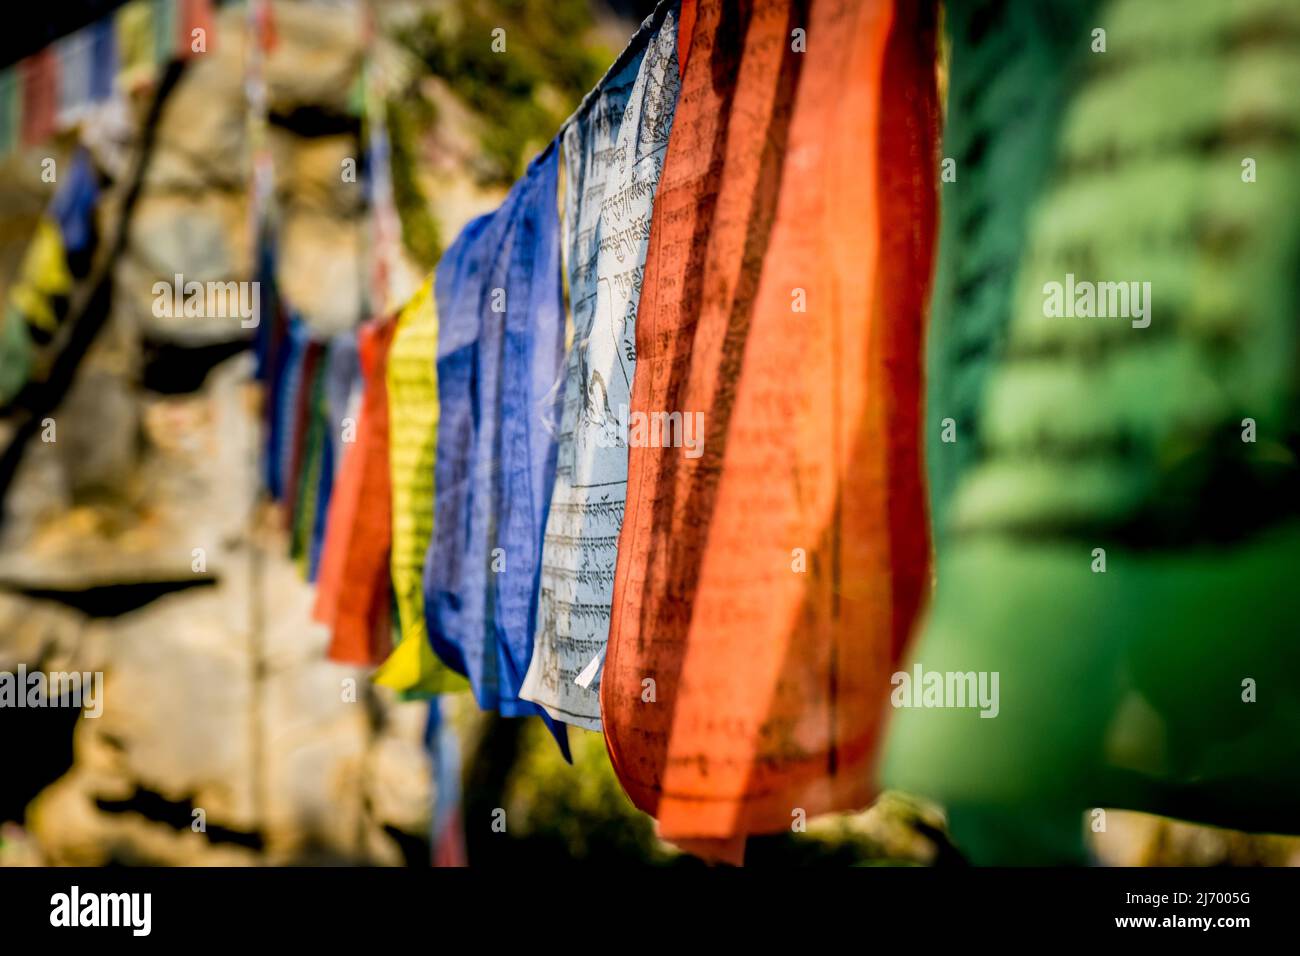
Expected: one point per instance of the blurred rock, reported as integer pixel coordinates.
(133, 485)
(316, 57)
(202, 238)
(1142, 839)
(202, 134)
(309, 173)
(321, 270)
(36, 631)
(287, 764)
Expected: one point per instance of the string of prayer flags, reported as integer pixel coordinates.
(702, 526)
(55, 87)
(613, 154)
(766, 586)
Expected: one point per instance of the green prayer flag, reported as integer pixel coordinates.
(1119, 536)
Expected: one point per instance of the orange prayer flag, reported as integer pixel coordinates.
(338, 532)
(353, 585)
(767, 582)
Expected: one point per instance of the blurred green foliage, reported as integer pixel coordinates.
(420, 232)
(578, 812)
(551, 59)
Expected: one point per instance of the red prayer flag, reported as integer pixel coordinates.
(40, 96)
(765, 589)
